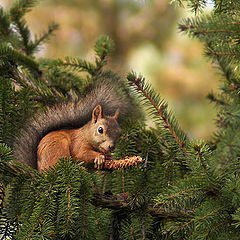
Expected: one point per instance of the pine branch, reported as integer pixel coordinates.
(199, 154)
(191, 27)
(182, 194)
(117, 203)
(194, 5)
(5, 153)
(21, 7)
(213, 98)
(16, 13)
(24, 33)
(231, 54)
(224, 223)
(160, 109)
(43, 37)
(4, 24)
(179, 197)
(75, 65)
(9, 54)
(197, 5)
(179, 2)
(14, 168)
(229, 71)
(220, 32)
(228, 7)
(39, 87)
(7, 228)
(68, 214)
(37, 219)
(104, 46)
(212, 26)
(199, 165)
(184, 225)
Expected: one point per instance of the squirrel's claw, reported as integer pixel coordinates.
(99, 162)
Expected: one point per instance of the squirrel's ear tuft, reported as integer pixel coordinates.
(116, 115)
(96, 113)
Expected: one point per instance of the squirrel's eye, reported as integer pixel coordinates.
(100, 130)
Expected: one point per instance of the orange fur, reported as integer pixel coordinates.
(85, 144)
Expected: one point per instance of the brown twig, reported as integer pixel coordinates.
(186, 27)
(2, 195)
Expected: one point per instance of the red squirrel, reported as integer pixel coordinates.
(86, 129)
(89, 143)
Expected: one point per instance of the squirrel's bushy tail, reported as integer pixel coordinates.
(73, 114)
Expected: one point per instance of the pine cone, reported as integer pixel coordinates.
(122, 163)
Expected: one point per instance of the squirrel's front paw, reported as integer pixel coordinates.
(99, 162)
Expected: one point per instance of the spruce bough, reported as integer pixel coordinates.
(185, 189)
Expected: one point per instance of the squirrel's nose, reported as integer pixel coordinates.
(111, 146)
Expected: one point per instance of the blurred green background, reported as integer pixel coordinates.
(147, 41)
